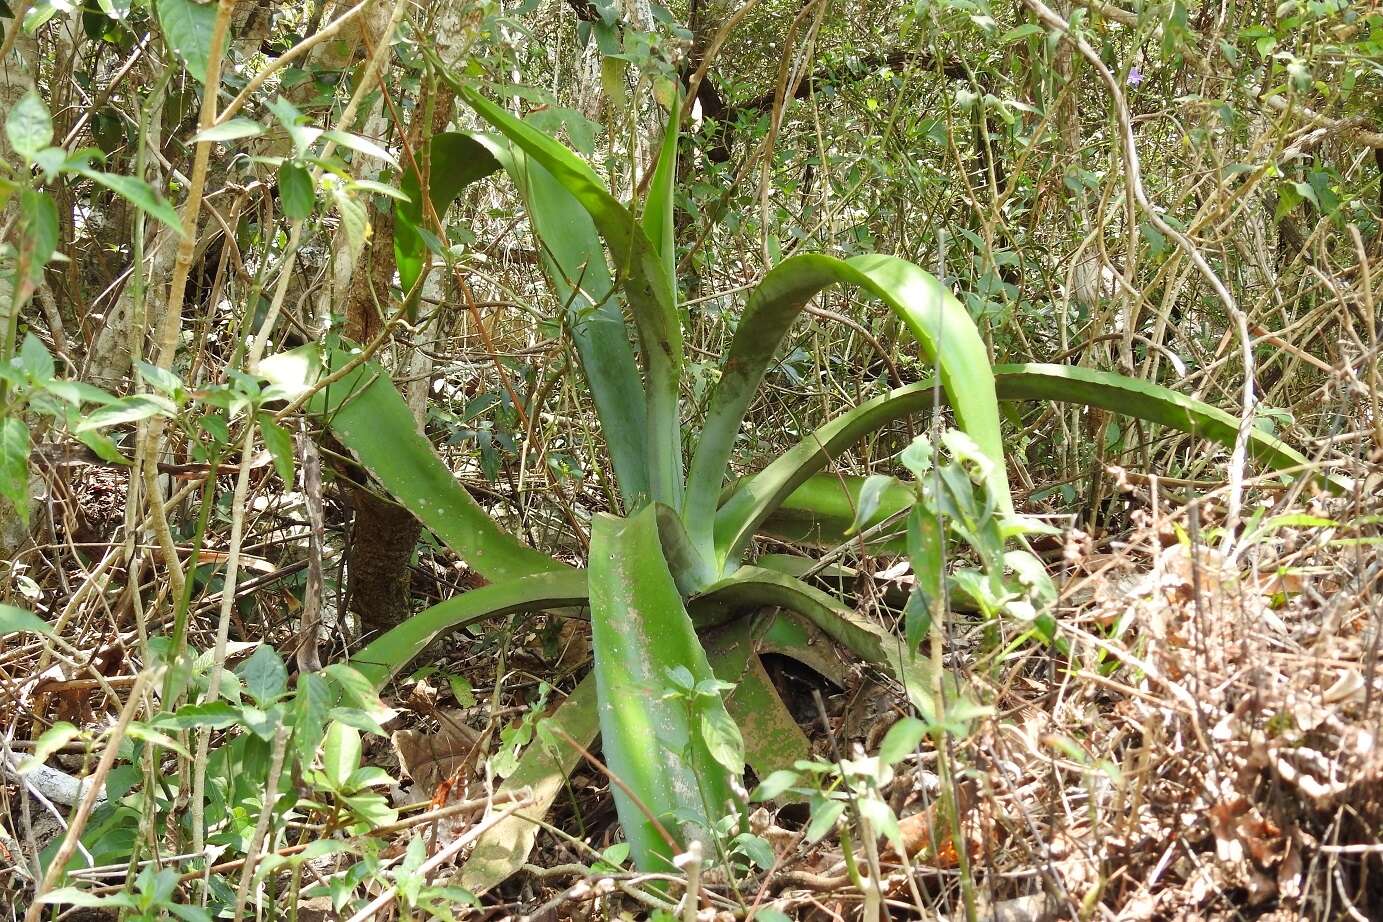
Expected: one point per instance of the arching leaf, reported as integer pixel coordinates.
(940, 324)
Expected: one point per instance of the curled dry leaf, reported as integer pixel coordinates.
(433, 758)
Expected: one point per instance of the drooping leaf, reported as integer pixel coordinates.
(127, 410)
(360, 145)
(138, 193)
(340, 754)
(756, 498)
(14, 620)
(368, 416)
(384, 656)
(455, 161)
(187, 27)
(824, 509)
(39, 238)
(231, 130)
(870, 496)
(901, 740)
(772, 739)
(280, 445)
(502, 850)
(640, 630)
(759, 586)
(658, 208)
(49, 742)
(311, 705)
(296, 193)
(28, 126)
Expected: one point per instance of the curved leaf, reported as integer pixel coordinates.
(822, 510)
(575, 263)
(939, 323)
(455, 160)
(772, 738)
(503, 848)
(368, 416)
(646, 285)
(651, 735)
(384, 656)
(755, 499)
(871, 643)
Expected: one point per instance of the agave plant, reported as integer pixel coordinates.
(671, 566)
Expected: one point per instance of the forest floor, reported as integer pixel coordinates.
(1207, 751)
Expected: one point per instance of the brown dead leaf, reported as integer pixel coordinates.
(430, 759)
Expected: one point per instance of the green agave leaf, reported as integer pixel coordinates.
(580, 277)
(643, 279)
(755, 499)
(367, 415)
(757, 586)
(383, 657)
(652, 737)
(455, 160)
(939, 323)
(823, 509)
(772, 738)
(659, 204)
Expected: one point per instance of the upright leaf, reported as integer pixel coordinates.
(652, 737)
(645, 283)
(575, 262)
(659, 203)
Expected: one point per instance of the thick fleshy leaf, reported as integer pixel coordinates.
(574, 260)
(643, 279)
(502, 849)
(940, 324)
(651, 735)
(772, 738)
(871, 643)
(755, 499)
(455, 160)
(380, 659)
(822, 510)
(659, 203)
(369, 417)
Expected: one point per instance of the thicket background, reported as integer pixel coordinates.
(1207, 744)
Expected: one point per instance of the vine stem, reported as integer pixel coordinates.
(171, 325)
(218, 662)
(94, 792)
